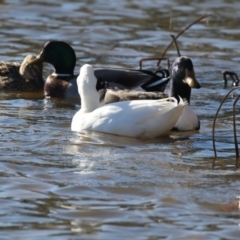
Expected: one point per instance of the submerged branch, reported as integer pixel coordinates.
(234, 128)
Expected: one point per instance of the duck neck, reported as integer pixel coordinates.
(90, 100)
(180, 89)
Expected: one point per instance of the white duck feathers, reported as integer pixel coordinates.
(137, 118)
(188, 121)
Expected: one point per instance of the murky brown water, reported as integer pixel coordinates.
(56, 184)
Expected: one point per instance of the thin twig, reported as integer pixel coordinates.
(153, 59)
(176, 45)
(180, 33)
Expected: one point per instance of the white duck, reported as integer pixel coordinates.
(137, 118)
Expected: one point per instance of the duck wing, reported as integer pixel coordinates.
(117, 95)
(9, 74)
(130, 79)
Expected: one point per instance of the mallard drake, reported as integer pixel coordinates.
(62, 82)
(20, 77)
(182, 80)
(139, 118)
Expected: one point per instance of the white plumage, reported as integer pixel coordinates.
(137, 118)
(188, 121)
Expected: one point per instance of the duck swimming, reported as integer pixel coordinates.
(20, 77)
(137, 118)
(62, 82)
(182, 81)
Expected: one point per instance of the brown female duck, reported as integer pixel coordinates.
(21, 77)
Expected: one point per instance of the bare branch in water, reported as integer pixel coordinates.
(181, 32)
(235, 131)
(175, 42)
(153, 59)
(234, 127)
(233, 76)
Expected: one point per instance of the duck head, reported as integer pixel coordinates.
(32, 72)
(183, 78)
(58, 53)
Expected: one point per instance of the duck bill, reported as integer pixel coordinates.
(38, 59)
(191, 80)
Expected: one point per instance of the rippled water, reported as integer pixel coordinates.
(56, 184)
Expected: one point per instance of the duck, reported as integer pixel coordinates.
(62, 82)
(182, 81)
(20, 77)
(136, 118)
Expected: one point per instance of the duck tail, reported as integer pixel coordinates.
(181, 102)
(175, 100)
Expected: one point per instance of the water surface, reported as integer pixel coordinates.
(56, 184)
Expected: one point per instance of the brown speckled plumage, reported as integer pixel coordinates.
(118, 95)
(12, 80)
